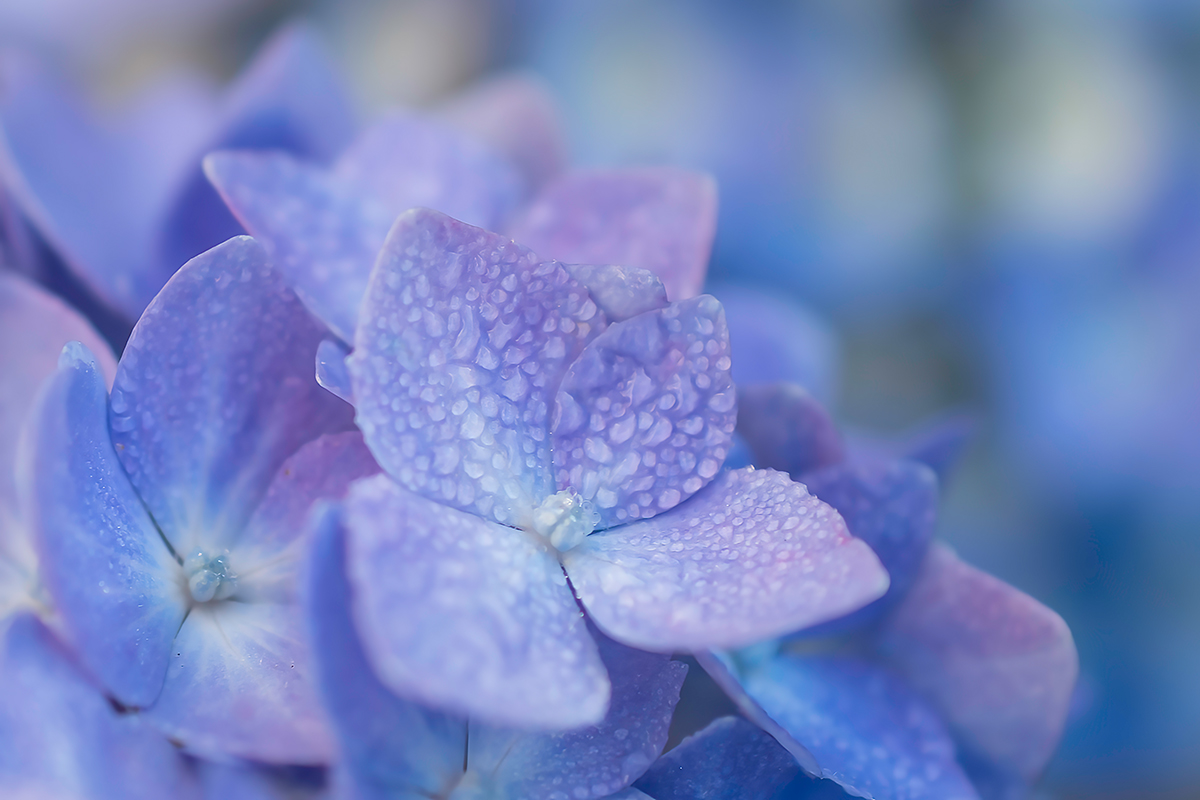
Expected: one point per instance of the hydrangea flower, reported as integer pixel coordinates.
(168, 516)
(951, 675)
(530, 433)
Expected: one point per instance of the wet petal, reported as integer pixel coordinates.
(730, 758)
(645, 416)
(662, 220)
(62, 738)
(999, 665)
(465, 339)
(240, 683)
(387, 745)
(331, 369)
(787, 429)
(621, 292)
(868, 730)
(890, 505)
(467, 615)
(289, 98)
(215, 389)
(592, 762)
(750, 557)
(114, 582)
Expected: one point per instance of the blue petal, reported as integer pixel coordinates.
(114, 580)
(890, 505)
(465, 337)
(592, 762)
(661, 220)
(731, 758)
(868, 730)
(621, 292)
(215, 389)
(460, 613)
(387, 745)
(750, 557)
(331, 369)
(62, 738)
(645, 416)
(290, 98)
(787, 429)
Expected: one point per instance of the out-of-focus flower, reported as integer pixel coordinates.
(168, 516)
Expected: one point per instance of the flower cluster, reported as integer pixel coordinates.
(417, 492)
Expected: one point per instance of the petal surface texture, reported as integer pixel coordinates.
(750, 557)
(787, 429)
(870, 733)
(214, 390)
(999, 665)
(465, 339)
(389, 746)
(464, 614)
(645, 416)
(731, 758)
(662, 220)
(113, 580)
(62, 738)
(592, 762)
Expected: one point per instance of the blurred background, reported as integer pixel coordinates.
(989, 206)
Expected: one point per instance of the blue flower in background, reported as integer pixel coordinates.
(168, 517)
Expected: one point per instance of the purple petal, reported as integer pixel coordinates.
(460, 613)
(890, 505)
(731, 758)
(787, 429)
(239, 684)
(645, 416)
(331, 369)
(406, 161)
(939, 444)
(244, 781)
(114, 582)
(215, 389)
(621, 292)
(516, 116)
(868, 730)
(465, 338)
(751, 557)
(289, 98)
(999, 665)
(322, 235)
(592, 762)
(661, 220)
(387, 745)
(61, 737)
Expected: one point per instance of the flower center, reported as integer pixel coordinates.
(564, 519)
(209, 577)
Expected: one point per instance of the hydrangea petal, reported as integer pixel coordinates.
(999, 665)
(464, 614)
(750, 557)
(938, 443)
(114, 582)
(515, 115)
(331, 369)
(244, 781)
(787, 429)
(215, 389)
(868, 730)
(890, 505)
(661, 219)
(645, 416)
(62, 738)
(239, 684)
(387, 745)
(291, 98)
(731, 758)
(465, 339)
(592, 762)
(322, 235)
(621, 292)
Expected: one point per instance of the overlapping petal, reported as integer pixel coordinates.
(621, 292)
(461, 613)
(215, 389)
(787, 429)
(751, 556)
(469, 337)
(116, 585)
(662, 220)
(996, 663)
